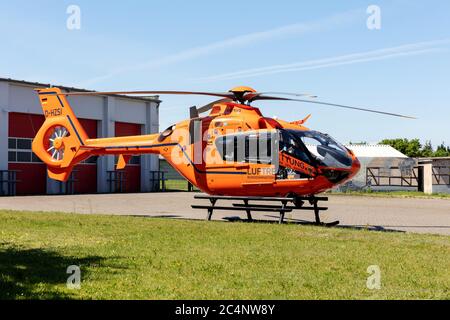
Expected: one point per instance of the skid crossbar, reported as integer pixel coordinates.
(282, 208)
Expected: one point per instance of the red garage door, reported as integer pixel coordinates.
(133, 169)
(85, 173)
(32, 173)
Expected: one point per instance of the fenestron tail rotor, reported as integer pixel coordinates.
(54, 144)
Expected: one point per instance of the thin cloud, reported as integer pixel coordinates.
(374, 55)
(238, 41)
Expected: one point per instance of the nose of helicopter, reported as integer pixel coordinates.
(356, 165)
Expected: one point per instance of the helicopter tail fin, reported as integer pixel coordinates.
(300, 122)
(59, 141)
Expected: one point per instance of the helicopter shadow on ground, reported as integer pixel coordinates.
(310, 223)
(287, 221)
(22, 270)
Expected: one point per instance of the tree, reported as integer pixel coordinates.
(427, 150)
(410, 148)
(442, 151)
(414, 149)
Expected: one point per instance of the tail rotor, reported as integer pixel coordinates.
(54, 143)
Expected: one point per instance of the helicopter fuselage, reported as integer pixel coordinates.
(235, 150)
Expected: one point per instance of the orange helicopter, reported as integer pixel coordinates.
(232, 151)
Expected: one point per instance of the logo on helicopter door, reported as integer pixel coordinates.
(296, 164)
(262, 171)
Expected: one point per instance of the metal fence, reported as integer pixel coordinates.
(116, 181)
(400, 177)
(441, 175)
(393, 177)
(8, 182)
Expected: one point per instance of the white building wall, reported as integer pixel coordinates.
(106, 128)
(4, 124)
(23, 99)
(88, 107)
(131, 111)
(149, 162)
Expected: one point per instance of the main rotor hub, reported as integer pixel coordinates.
(242, 89)
(243, 94)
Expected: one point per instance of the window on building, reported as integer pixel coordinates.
(12, 156)
(23, 156)
(19, 151)
(135, 160)
(12, 143)
(24, 144)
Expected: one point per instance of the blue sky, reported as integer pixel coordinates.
(319, 47)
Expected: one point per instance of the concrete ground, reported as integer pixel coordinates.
(410, 215)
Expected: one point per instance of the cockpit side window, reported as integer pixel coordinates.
(324, 149)
(291, 145)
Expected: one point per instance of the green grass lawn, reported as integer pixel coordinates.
(146, 258)
(177, 185)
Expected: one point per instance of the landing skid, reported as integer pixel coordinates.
(286, 205)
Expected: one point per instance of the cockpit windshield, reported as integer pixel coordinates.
(323, 148)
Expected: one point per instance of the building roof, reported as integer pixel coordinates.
(375, 151)
(432, 160)
(72, 89)
(435, 158)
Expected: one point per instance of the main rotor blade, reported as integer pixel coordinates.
(287, 94)
(228, 95)
(333, 105)
(209, 106)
